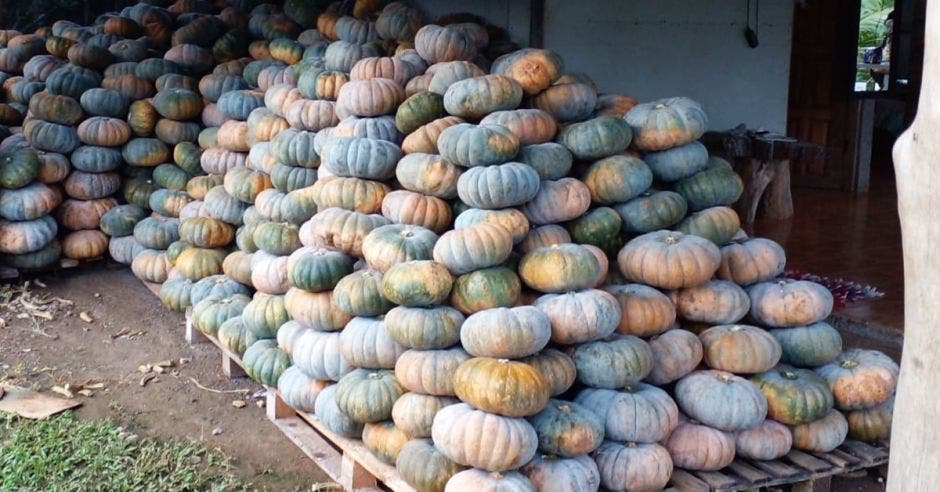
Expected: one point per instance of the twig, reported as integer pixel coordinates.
(216, 390)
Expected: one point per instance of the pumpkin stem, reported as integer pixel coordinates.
(788, 374)
(737, 328)
(671, 239)
(375, 375)
(659, 106)
(496, 475)
(631, 444)
(502, 361)
(724, 377)
(849, 364)
(564, 408)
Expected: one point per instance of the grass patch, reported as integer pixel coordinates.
(66, 454)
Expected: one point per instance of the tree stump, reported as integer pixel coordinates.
(766, 186)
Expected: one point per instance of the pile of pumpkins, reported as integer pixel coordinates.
(432, 240)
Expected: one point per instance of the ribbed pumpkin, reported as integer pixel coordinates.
(206, 232)
(317, 269)
(741, 349)
(298, 390)
(57, 109)
(616, 362)
(479, 246)
(548, 472)
(534, 69)
(424, 328)
(652, 210)
(417, 283)
(751, 260)
(559, 268)
(360, 294)
(578, 317)
(340, 229)
(264, 362)
(596, 138)
(485, 289)
(368, 395)
(120, 220)
(567, 429)
(477, 479)
(505, 332)
(430, 372)
(483, 440)
(328, 411)
(636, 413)
(666, 123)
(476, 97)
(794, 396)
(414, 413)
(558, 201)
(531, 126)
(440, 44)
(498, 186)
(872, 424)
(618, 178)
(504, 387)
(365, 342)
(714, 302)
(360, 157)
(809, 346)
(196, 263)
(215, 287)
(784, 303)
(699, 447)
(384, 440)
(675, 354)
(387, 245)
(84, 245)
(18, 167)
(677, 163)
(644, 310)
(717, 224)
(821, 436)
(721, 400)
(317, 354)
(860, 378)
(633, 466)
(156, 232)
(419, 109)
(209, 314)
(768, 441)
(715, 185)
(477, 145)
(29, 202)
(669, 260)
(425, 138)
(82, 214)
(423, 466)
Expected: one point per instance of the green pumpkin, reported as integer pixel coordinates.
(599, 227)
(289, 178)
(233, 336)
(550, 160)
(361, 157)
(56, 109)
(317, 269)
(360, 294)
(420, 283)
(498, 186)
(94, 159)
(717, 224)
(809, 346)
(138, 190)
(559, 268)
(424, 466)
(368, 395)
(277, 238)
(39, 259)
(419, 109)
(216, 287)
(237, 105)
(476, 97)
(395, 243)
(156, 232)
(716, 185)
(794, 396)
(174, 250)
(18, 167)
(186, 155)
(120, 221)
(652, 211)
(264, 315)
(168, 202)
(170, 176)
(209, 314)
(197, 263)
(484, 289)
(105, 102)
(145, 152)
(477, 145)
(567, 429)
(175, 293)
(617, 179)
(178, 104)
(264, 362)
(596, 138)
(678, 162)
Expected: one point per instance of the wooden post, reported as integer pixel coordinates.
(915, 450)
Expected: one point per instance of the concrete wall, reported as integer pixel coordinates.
(511, 15)
(655, 49)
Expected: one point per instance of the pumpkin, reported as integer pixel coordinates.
(413, 413)
(511, 219)
(340, 229)
(220, 205)
(714, 186)
(504, 387)
(298, 390)
(534, 69)
(556, 367)
(715, 302)
(616, 362)
(237, 265)
(595, 138)
(84, 245)
(382, 67)
(424, 328)
(151, 265)
(367, 395)
(83, 214)
(122, 249)
(498, 186)
(264, 315)
(871, 424)
(476, 479)
(483, 440)
(365, 342)
(29, 202)
(636, 413)
(651, 211)
(288, 178)
(768, 441)
(41, 258)
(677, 163)
(215, 287)
(428, 174)
(739, 349)
(120, 220)
(508, 333)
(440, 44)
(369, 97)
(717, 224)
(51, 137)
(73, 81)
(567, 429)
(360, 294)
(196, 263)
(417, 283)
(475, 97)
(558, 201)
(57, 109)
(614, 104)
(417, 110)
(479, 246)
(18, 167)
(559, 268)
(209, 313)
(156, 232)
(168, 203)
(145, 152)
(794, 396)
(91, 186)
(809, 346)
(578, 317)
(669, 260)
(567, 102)
(618, 178)
(860, 378)
(328, 412)
(378, 128)
(784, 303)
(421, 464)
(408, 207)
(317, 269)
(264, 362)
(666, 123)
(94, 159)
(384, 440)
(752, 260)
(693, 446)
(430, 372)
(142, 117)
(551, 473)
(170, 176)
(721, 400)
(675, 354)
(425, 138)
(53, 168)
(821, 436)
(317, 354)
(388, 245)
(484, 289)
(310, 115)
(530, 126)
(633, 466)
(477, 145)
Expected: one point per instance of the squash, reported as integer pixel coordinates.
(485, 289)
(424, 328)
(544, 236)
(206, 232)
(18, 167)
(666, 123)
(714, 186)
(786, 303)
(421, 464)
(424, 139)
(558, 201)
(84, 245)
(476, 97)
(551, 473)
(30, 202)
(483, 440)
(510, 218)
(388, 245)
(645, 311)
(440, 44)
(596, 138)
(633, 466)
(384, 440)
(556, 367)
(414, 413)
(567, 102)
(652, 210)
(636, 413)
(298, 390)
(721, 400)
(369, 97)
(215, 287)
(360, 294)
(717, 224)
(614, 104)
(317, 269)
(209, 314)
(508, 333)
(871, 424)
(264, 362)
(51, 137)
(317, 354)
(430, 372)
(739, 349)
(752, 260)
(408, 207)
(715, 302)
(821, 436)
(329, 413)
(365, 342)
(340, 229)
(675, 354)
(264, 315)
(156, 232)
(768, 441)
(483, 481)
(530, 126)
(145, 152)
(500, 386)
(54, 108)
(534, 69)
(53, 168)
(794, 396)
(500, 186)
(429, 174)
(677, 163)
(809, 346)
(567, 429)
(473, 248)
(470, 145)
(617, 179)
(82, 214)
(860, 378)
(417, 283)
(120, 220)
(122, 249)
(559, 268)
(360, 157)
(669, 260)
(368, 395)
(578, 317)
(616, 362)
(698, 447)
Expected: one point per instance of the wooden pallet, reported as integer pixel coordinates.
(345, 460)
(800, 470)
(232, 365)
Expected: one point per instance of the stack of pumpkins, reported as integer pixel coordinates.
(27, 230)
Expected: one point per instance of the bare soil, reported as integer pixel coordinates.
(68, 350)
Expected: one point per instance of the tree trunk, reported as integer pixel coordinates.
(915, 449)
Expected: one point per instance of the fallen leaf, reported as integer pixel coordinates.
(146, 379)
(86, 317)
(63, 390)
(238, 403)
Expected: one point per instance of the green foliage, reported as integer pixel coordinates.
(66, 454)
(871, 22)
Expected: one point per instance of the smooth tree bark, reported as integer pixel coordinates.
(915, 447)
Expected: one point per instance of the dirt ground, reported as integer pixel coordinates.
(70, 350)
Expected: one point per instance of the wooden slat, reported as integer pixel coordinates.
(717, 480)
(747, 472)
(778, 468)
(865, 452)
(684, 481)
(839, 458)
(808, 462)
